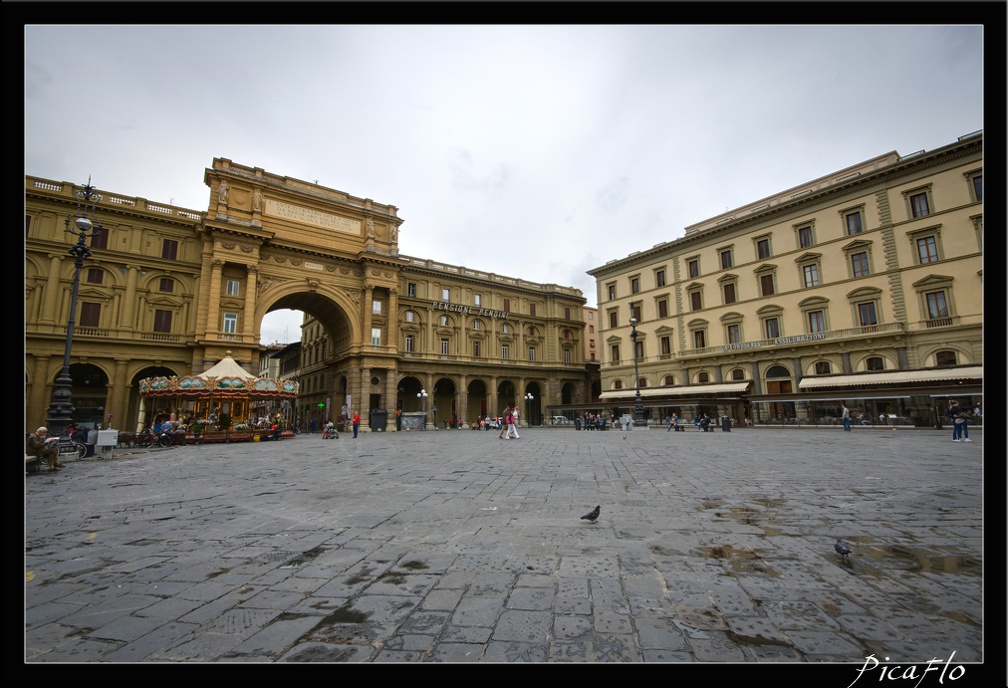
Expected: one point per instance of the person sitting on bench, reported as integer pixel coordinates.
(47, 448)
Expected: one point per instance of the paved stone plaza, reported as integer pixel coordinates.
(456, 546)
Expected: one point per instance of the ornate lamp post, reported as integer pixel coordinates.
(528, 409)
(83, 225)
(638, 407)
(422, 396)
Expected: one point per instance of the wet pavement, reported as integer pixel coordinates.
(459, 547)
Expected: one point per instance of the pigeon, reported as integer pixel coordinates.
(842, 548)
(592, 515)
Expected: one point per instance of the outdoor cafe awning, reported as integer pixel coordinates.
(893, 377)
(652, 393)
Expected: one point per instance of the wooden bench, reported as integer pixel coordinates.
(32, 463)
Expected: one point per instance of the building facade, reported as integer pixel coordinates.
(171, 291)
(862, 287)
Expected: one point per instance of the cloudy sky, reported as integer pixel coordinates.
(532, 151)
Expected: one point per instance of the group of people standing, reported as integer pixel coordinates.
(960, 420)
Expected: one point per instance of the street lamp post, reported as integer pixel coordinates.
(422, 396)
(638, 407)
(528, 409)
(83, 225)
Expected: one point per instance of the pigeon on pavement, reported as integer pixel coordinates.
(592, 515)
(842, 548)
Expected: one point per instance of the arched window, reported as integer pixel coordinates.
(875, 363)
(669, 380)
(703, 377)
(737, 374)
(945, 358)
(778, 371)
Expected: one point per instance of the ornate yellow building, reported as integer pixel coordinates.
(172, 291)
(861, 287)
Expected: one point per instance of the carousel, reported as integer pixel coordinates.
(224, 398)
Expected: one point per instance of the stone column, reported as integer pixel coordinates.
(248, 324)
(49, 309)
(213, 315)
(128, 313)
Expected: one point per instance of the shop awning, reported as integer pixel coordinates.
(894, 377)
(727, 388)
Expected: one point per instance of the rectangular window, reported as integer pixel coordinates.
(663, 309)
(612, 318)
(639, 350)
(505, 328)
(567, 313)
(409, 316)
(978, 187)
(444, 321)
(167, 285)
(612, 292)
(476, 299)
(507, 305)
(505, 352)
(230, 323)
(695, 300)
(169, 249)
(816, 321)
(532, 310)
(726, 259)
(567, 358)
(410, 344)
(532, 353)
(766, 285)
(100, 239)
(936, 305)
(635, 311)
(444, 347)
(445, 293)
(476, 348)
(811, 275)
(660, 278)
(666, 345)
(699, 341)
(763, 249)
(634, 285)
(376, 307)
(927, 250)
(95, 275)
(729, 293)
(90, 314)
(734, 334)
(375, 336)
(162, 321)
(822, 368)
(866, 314)
(772, 328)
(853, 221)
(614, 353)
(476, 324)
(233, 287)
(919, 205)
(693, 268)
(411, 289)
(805, 236)
(591, 343)
(859, 264)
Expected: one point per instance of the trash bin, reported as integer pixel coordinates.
(377, 420)
(725, 424)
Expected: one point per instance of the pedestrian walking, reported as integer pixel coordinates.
(314, 425)
(356, 423)
(503, 425)
(510, 420)
(846, 418)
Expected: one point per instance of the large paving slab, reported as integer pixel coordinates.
(458, 547)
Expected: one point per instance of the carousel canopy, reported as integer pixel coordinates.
(227, 378)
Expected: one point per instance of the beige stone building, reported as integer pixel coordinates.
(862, 287)
(170, 291)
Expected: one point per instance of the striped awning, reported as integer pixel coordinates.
(893, 377)
(727, 388)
